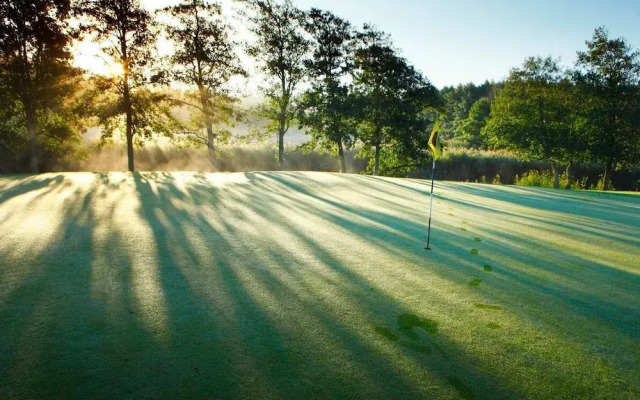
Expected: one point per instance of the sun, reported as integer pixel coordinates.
(88, 56)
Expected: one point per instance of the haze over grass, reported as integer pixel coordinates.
(307, 285)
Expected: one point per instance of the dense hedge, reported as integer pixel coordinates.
(488, 167)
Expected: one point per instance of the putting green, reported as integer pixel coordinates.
(312, 285)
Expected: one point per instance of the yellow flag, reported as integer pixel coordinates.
(434, 142)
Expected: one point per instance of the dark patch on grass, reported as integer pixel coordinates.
(474, 251)
(493, 325)
(475, 282)
(487, 268)
(415, 347)
(487, 306)
(465, 222)
(439, 349)
(477, 239)
(430, 325)
(463, 229)
(462, 389)
(386, 333)
(451, 215)
(407, 322)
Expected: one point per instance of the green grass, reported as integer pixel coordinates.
(312, 285)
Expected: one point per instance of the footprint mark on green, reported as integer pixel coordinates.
(475, 282)
(408, 322)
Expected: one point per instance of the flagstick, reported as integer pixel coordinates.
(433, 176)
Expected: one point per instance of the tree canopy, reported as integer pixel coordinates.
(174, 74)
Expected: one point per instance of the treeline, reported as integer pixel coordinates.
(587, 114)
(340, 84)
(347, 87)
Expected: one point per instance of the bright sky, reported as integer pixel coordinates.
(460, 41)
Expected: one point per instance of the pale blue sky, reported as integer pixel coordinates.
(459, 41)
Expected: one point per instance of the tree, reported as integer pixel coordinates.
(608, 74)
(122, 27)
(281, 48)
(459, 101)
(205, 60)
(532, 114)
(392, 95)
(327, 107)
(35, 70)
(377, 87)
(413, 120)
(472, 128)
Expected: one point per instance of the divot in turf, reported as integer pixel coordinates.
(407, 323)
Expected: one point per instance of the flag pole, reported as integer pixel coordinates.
(433, 176)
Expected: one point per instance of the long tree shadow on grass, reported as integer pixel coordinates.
(56, 336)
(27, 184)
(286, 295)
(613, 314)
(282, 333)
(246, 290)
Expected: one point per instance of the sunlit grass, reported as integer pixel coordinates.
(307, 285)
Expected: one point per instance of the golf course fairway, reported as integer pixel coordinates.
(314, 285)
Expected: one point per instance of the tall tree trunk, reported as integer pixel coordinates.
(556, 176)
(33, 146)
(568, 172)
(211, 145)
(208, 121)
(126, 97)
(282, 129)
(376, 169)
(606, 178)
(343, 161)
(281, 161)
(129, 112)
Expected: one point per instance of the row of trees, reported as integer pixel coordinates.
(340, 84)
(337, 83)
(586, 114)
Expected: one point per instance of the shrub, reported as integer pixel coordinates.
(535, 178)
